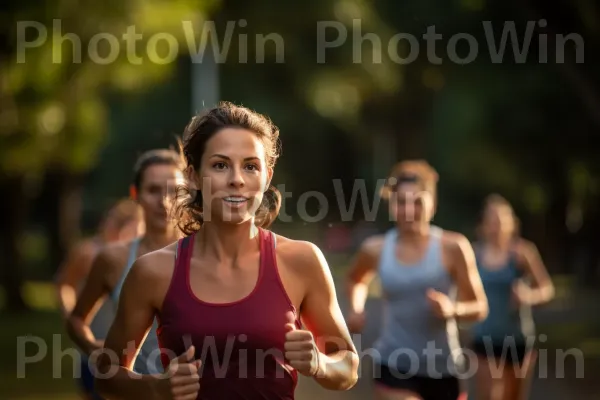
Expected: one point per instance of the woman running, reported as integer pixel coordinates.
(505, 261)
(231, 295)
(121, 223)
(155, 176)
(421, 268)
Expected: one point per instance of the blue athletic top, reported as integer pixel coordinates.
(105, 314)
(504, 318)
(102, 320)
(413, 339)
(148, 358)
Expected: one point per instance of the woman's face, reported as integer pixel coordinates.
(157, 193)
(411, 205)
(498, 220)
(233, 176)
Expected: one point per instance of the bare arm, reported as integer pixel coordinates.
(471, 302)
(70, 275)
(90, 300)
(321, 314)
(542, 290)
(132, 322)
(143, 291)
(362, 273)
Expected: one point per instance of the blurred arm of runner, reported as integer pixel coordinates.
(542, 290)
(362, 272)
(71, 274)
(471, 304)
(143, 292)
(335, 362)
(90, 300)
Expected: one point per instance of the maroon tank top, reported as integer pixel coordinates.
(241, 344)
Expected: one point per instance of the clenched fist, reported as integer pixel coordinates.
(441, 304)
(184, 380)
(301, 352)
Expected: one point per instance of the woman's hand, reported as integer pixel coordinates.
(300, 349)
(441, 304)
(183, 381)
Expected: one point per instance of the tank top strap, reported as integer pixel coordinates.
(183, 256)
(388, 256)
(269, 278)
(133, 250)
(513, 262)
(268, 261)
(476, 249)
(434, 250)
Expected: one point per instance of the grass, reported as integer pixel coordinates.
(39, 332)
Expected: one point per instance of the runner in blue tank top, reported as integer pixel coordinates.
(155, 176)
(505, 336)
(121, 222)
(421, 268)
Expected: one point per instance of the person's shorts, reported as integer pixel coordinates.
(445, 388)
(513, 352)
(86, 381)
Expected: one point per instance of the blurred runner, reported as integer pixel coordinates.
(121, 223)
(422, 268)
(504, 340)
(155, 176)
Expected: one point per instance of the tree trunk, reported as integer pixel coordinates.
(62, 193)
(589, 241)
(14, 220)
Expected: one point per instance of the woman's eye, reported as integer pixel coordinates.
(252, 167)
(219, 165)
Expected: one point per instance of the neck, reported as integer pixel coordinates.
(225, 242)
(414, 232)
(155, 239)
(501, 242)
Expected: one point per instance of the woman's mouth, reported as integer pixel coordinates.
(235, 201)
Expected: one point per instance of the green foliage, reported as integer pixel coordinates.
(487, 127)
(54, 109)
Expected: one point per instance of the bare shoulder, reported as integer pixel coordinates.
(525, 250)
(112, 257)
(373, 245)
(83, 253)
(524, 246)
(116, 251)
(86, 248)
(156, 265)
(457, 249)
(455, 242)
(300, 255)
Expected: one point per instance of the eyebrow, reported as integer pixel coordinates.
(229, 159)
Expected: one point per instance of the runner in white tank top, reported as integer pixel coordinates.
(420, 267)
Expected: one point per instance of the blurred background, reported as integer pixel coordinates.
(525, 127)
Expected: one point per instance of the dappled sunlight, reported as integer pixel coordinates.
(535, 199)
(51, 120)
(334, 98)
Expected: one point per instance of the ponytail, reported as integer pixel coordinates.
(269, 209)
